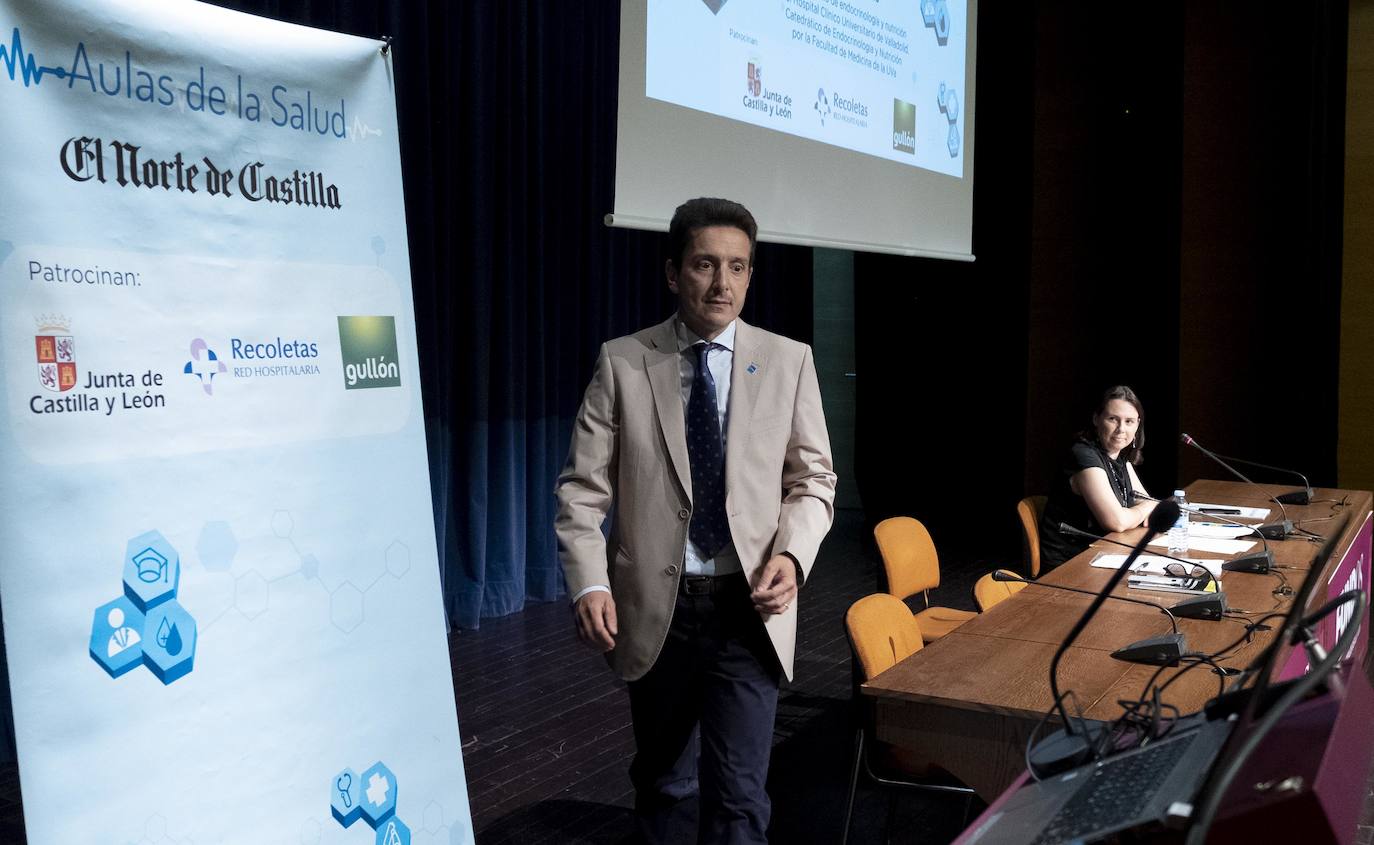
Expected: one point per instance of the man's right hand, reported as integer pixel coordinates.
(595, 614)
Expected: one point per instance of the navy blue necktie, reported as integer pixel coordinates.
(710, 530)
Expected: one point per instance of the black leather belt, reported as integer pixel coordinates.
(708, 585)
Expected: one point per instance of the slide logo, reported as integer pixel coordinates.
(368, 346)
(903, 126)
(56, 350)
(753, 83)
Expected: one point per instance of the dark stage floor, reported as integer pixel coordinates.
(546, 727)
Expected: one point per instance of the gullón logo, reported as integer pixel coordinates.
(903, 126)
(368, 346)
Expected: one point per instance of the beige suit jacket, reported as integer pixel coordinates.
(629, 458)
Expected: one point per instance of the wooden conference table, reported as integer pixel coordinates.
(969, 701)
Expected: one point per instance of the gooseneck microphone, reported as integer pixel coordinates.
(1065, 528)
(1210, 606)
(1066, 747)
(1297, 497)
(1004, 575)
(1256, 562)
(1274, 531)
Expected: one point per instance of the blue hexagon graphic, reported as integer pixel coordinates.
(393, 832)
(953, 141)
(152, 570)
(941, 22)
(433, 818)
(379, 794)
(951, 106)
(217, 546)
(117, 636)
(346, 797)
(169, 641)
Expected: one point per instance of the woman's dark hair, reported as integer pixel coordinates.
(1134, 452)
(708, 211)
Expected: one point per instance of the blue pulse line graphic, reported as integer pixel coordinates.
(32, 72)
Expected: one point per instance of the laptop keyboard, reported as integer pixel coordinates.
(1116, 793)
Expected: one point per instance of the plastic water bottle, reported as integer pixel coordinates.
(1178, 532)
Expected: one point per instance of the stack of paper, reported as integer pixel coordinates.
(1228, 511)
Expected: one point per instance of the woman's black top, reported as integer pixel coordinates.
(1064, 505)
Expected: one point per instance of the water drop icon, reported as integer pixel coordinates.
(169, 637)
(174, 641)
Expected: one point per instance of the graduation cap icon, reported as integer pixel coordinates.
(152, 567)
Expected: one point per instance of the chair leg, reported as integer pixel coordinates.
(853, 784)
(887, 822)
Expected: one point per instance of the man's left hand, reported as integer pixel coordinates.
(775, 586)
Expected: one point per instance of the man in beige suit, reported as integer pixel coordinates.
(706, 439)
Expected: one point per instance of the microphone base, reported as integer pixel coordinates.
(1258, 562)
(1212, 606)
(1061, 751)
(1276, 530)
(1163, 650)
(1297, 497)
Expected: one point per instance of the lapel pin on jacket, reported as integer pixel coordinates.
(753, 368)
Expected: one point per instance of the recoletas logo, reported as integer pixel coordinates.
(903, 126)
(368, 347)
(204, 365)
(253, 356)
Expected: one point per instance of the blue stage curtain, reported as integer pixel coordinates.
(507, 122)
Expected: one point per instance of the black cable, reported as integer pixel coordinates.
(1035, 731)
(1131, 709)
(1199, 660)
(1284, 588)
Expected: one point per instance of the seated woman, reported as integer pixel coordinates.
(1096, 490)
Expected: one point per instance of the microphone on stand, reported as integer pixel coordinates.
(1065, 528)
(1211, 606)
(1297, 497)
(1159, 651)
(1067, 747)
(1274, 531)
(1256, 562)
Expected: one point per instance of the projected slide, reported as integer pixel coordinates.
(877, 77)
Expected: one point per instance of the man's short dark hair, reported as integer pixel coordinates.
(697, 214)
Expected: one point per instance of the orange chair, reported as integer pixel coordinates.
(1030, 509)
(882, 632)
(913, 567)
(988, 592)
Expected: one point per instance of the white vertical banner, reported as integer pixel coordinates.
(220, 587)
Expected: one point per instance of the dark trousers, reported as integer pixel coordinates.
(714, 685)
